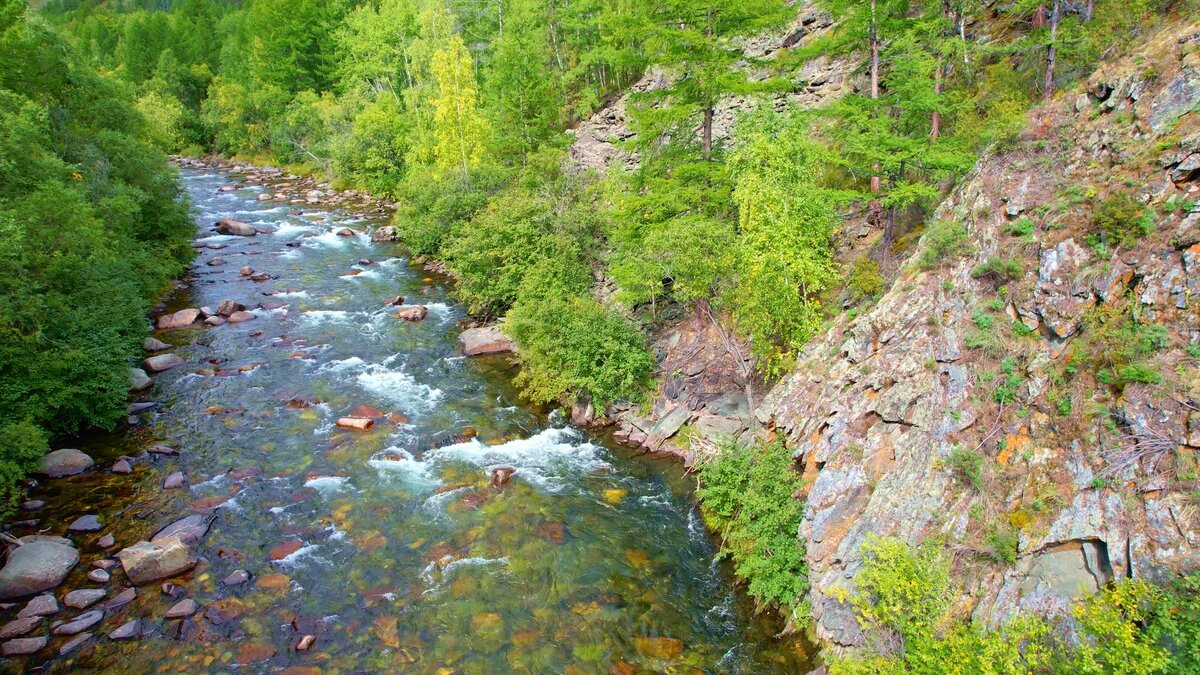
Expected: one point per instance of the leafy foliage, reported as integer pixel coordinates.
(747, 495)
(903, 592)
(91, 229)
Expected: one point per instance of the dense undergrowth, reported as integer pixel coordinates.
(92, 227)
(904, 604)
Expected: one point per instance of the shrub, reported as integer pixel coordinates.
(747, 494)
(433, 206)
(865, 281)
(998, 270)
(1129, 627)
(22, 444)
(1120, 220)
(967, 466)
(1006, 387)
(492, 254)
(1002, 543)
(944, 239)
(571, 346)
(1022, 227)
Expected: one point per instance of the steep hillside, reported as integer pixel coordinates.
(1027, 392)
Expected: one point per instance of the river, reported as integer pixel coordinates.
(390, 546)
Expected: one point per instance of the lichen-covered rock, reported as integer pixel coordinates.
(65, 462)
(146, 561)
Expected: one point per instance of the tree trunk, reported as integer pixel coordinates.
(874, 39)
(1048, 87)
(935, 122)
(708, 124)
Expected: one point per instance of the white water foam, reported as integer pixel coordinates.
(550, 460)
(399, 388)
(439, 572)
(328, 485)
(407, 470)
(286, 229)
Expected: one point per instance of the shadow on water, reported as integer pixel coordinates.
(391, 547)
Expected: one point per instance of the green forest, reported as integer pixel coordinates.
(462, 113)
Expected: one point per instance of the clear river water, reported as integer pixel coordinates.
(389, 546)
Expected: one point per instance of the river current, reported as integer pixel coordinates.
(390, 547)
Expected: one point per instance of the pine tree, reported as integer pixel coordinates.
(522, 98)
(692, 40)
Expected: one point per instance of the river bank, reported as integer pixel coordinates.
(460, 529)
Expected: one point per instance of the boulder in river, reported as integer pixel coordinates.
(80, 623)
(42, 605)
(65, 462)
(413, 313)
(239, 317)
(173, 481)
(181, 319)
(139, 380)
(88, 523)
(356, 423)
(84, 597)
(161, 362)
(35, 566)
(122, 466)
(228, 307)
(386, 233)
(19, 627)
(182, 609)
(155, 345)
(485, 340)
(146, 561)
(126, 631)
(24, 646)
(235, 228)
(188, 529)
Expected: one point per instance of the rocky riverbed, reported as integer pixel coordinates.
(316, 478)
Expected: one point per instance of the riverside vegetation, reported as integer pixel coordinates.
(459, 112)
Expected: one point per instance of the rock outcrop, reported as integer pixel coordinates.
(1077, 467)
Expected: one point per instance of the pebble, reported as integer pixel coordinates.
(305, 643)
(126, 631)
(172, 590)
(123, 598)
(104, 564)
(107, 541)
(42, 605)
(99, 576)
(32, 505)
(182, 608)
(73, 644)
(19, 627)
(80, 623)
(173, 481)
(122, 466)
(84, 598)
(162, 450)
(23, 646)
(88, 523)
(236, 578)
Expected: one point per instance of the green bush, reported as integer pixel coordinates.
(865, 282)
(22, 444)
(904, 593)
(998, 270)
(1120, 220)
(572, 346)
(1002, 543)
(967, 466)
(746, 494)
(945, 239)
(434, 206)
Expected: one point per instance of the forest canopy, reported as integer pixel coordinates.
(92, 228)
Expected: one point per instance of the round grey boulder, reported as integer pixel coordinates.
(36, 566)
(65, 462)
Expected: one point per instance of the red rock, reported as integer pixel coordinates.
(254, 652)
(239, 317)
(356, 423)
(285, 549)
(181, 319)
(413, 313)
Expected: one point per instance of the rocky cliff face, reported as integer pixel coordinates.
(599, 140)
(1092, 473)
